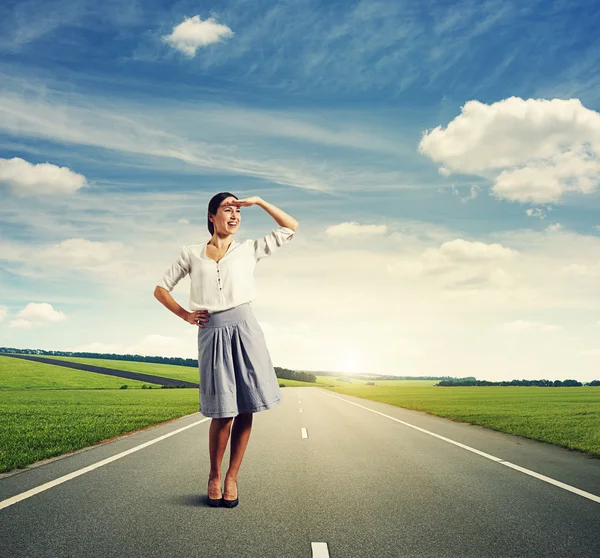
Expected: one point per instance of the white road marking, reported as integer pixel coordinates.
(319, 550)
(304, 433)
(588, 495)
(24, 495)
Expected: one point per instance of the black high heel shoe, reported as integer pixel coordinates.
(230, 503)
(216, 502)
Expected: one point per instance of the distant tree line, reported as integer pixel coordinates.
(445, 381)
(540, 383)
(388, 377)
(108, 356)
(287, 374)
(280, 372)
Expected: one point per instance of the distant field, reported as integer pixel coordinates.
(187, 373)
(396, 383)
(25, 374)
(49, 410)
(191, 374)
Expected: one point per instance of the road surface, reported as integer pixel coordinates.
(362, 478)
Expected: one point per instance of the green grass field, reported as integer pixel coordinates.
(25, 374)
(48, 410)
(565, 416)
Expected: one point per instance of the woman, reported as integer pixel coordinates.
(237, 377)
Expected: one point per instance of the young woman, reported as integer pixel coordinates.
(237, 377)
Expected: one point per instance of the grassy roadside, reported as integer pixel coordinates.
(568, 417)
(39, 424)
(48, 410)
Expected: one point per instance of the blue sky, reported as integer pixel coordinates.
(441, 158)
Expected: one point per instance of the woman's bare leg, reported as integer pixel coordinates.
(218, 436)
(240, 434)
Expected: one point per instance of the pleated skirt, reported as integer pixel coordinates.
(236, 371)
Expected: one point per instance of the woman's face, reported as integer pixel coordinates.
(227, 214)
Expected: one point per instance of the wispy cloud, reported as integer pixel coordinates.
(239, 141)
(350, 47)
(25, 22)
(519, 326)
(353, 229)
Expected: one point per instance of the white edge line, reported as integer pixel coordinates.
(319, 550)
(588, 495)
(24, 495)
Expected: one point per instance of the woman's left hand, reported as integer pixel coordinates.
(246, 202)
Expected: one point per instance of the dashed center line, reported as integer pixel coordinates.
(319, 550)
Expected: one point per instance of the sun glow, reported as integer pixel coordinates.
(349, 360)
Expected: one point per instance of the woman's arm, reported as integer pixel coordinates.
(195, 318)
(282, 218)
(164, 297)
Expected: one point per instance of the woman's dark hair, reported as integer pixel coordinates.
(213, 206)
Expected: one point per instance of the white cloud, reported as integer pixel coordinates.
(355, 229)
(150, 345)
(21, 324)
(460, 249)
(536, 212)
(37, 314)
(165, 345)
(183, 221)
(194, 33)
(534, 150)
(96, 347)
(109, 261)
(522, 325)
(26, 179)
(548, 180)
(82, 253)
(554, 228)
(3, 313)
(581, 270)
(41, 311)
(444, 319)
(460, 263)
(473, 192)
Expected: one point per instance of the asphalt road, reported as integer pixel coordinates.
(151, 379)
(360, 482)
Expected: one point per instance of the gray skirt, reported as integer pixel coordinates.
(236, 372)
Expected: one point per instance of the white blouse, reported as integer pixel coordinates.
(221, 285)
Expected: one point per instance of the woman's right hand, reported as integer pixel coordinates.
(196, 317)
